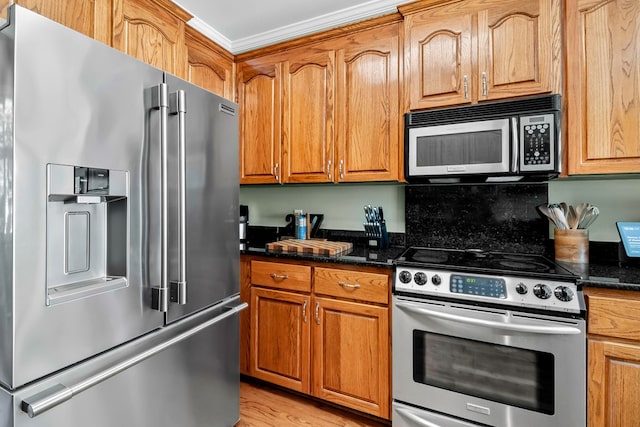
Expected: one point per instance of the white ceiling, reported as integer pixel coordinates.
(243, 25)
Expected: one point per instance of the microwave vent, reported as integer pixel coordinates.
(529, 105)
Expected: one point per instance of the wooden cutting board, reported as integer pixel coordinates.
(312, 246)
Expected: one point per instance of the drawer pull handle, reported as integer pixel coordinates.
(304, 312)
(349, 285)
(278, 276)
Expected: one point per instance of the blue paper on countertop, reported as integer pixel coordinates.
(630, 236)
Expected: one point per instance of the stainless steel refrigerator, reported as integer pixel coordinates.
(118, 238)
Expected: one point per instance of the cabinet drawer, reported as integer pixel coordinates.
(614, 313)
(371, 287)
(281, 276)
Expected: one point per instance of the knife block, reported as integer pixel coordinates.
(378, 238)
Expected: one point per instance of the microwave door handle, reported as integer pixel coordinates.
(159, 294)
(178, 290)
(534, 329)
(516, 145)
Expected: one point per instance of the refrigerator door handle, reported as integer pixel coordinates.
(178, 106)
(159, 294)
(60, 393)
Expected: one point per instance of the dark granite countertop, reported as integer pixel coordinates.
(361, 256)
(608, 266)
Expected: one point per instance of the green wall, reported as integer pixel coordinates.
(617, 198)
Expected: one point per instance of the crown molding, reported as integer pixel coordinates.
(324, 22)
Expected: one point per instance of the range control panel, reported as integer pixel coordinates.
(542, 294)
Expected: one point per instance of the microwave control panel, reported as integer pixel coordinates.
(537, 143)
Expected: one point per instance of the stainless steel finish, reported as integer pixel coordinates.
(511, 298)
(525, 331)
(90, 234)
(500, 125)
(160, 294)
(545, 120)
(349, 285)
(465, 80)
(515, 144)
(189, 383)
(179, 288)
(484, 83)
(409, 416)
(212, 201)
(59, 393)
(502, 323)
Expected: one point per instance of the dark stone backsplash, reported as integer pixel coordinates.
(496, 216)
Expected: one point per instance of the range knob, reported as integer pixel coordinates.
(563, 293)
(521, 288)
(404, 276)
(436, 280)
(542, 291)
(420, 278)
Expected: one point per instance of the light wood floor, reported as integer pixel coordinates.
(264, 406)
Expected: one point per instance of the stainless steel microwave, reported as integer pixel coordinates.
(496, 141)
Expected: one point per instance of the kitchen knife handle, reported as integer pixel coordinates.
(178, 291)
(159, 294)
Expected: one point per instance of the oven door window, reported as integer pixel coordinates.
(513, 376)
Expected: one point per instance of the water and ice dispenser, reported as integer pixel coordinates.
(86, 231)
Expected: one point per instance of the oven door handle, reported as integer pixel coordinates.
(534, 329)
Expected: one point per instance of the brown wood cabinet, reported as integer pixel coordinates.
(323, 112)
(613, 358)
(153, 32)
(469, 51)
(323, 331)
(603, 86)
(91, 18)
(208, 65)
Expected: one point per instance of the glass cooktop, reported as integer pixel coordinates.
(481, 261)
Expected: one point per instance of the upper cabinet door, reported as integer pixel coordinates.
(208, 66)
(439, 56)
(473, 51)
(368, 119)
(259, 96)
(89, 17)
(153, 32)
(603, 90)
(307, 136)
(515, 48)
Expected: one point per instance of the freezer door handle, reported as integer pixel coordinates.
(60, 393)
(178, 106)
(159, 294)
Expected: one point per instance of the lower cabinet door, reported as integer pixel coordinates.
(351, 355)
(280, 336)
(613, 384)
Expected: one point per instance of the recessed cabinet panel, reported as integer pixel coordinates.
(603, 93)
(260, 122)
(308, 117)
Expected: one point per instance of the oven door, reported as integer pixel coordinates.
(491, 366)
